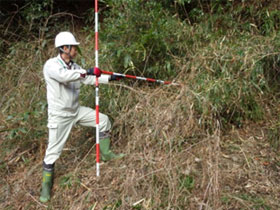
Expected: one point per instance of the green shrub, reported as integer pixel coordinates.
(140, 38)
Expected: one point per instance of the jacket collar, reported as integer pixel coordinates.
(68, 66)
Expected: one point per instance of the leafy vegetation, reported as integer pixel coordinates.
(210, 142)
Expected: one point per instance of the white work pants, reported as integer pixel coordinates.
(60, 127)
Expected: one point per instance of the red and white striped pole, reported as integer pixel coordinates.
(137, 77)
(97, 93)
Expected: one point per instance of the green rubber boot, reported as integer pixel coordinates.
(46, 186)
(106, 153)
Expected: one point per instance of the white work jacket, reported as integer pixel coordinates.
(63, 86)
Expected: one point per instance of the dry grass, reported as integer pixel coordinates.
(170, 163)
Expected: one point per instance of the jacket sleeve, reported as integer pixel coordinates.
(90, 80)
(61, 74)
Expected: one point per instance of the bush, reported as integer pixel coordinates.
(140, 38)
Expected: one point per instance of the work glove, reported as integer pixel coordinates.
(94, 71)
(114, 77)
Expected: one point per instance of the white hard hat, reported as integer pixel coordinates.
(65, 38)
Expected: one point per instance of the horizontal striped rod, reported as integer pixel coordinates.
(136, 77)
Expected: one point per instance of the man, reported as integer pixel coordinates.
(63, 79)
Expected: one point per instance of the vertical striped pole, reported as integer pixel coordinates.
(97, 93)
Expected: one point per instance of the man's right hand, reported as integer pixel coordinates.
(82, 72)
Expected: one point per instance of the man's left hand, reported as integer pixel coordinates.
(94, 71)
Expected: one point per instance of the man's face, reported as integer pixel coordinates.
(73, 52)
